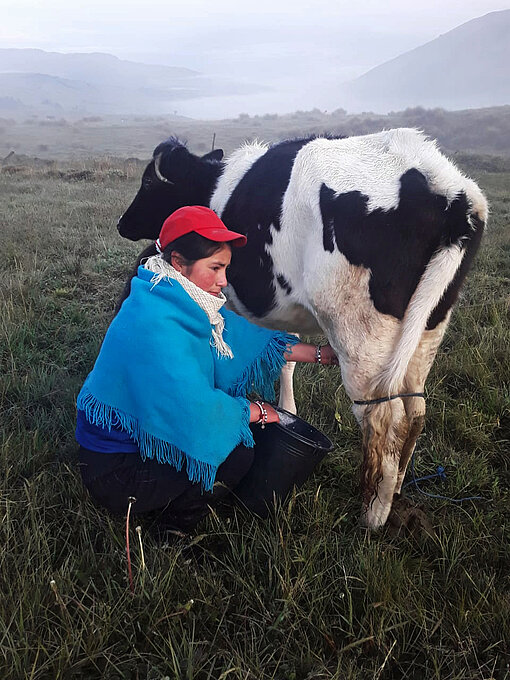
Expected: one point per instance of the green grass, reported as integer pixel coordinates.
(304, 595)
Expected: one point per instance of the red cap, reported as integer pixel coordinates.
(201, 220)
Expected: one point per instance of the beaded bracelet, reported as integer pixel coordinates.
(318, 354)
(263, 415)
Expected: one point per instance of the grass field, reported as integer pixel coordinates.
(304, 595)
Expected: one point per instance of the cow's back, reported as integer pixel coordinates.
(385, 201)
(373, 165)
(377, 200)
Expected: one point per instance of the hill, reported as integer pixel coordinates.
(464, 68)
(38, 82)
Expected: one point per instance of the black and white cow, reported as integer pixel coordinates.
(365, 238)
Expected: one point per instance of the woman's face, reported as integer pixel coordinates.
(209, 273)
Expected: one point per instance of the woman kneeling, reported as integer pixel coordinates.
(163, 416)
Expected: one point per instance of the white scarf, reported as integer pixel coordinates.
(211, 304)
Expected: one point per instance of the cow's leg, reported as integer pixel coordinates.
(286, 399)
(385, 430)
(390, 431)
(417, 372)
(364, 340)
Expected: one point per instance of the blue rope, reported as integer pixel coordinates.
(441, 474)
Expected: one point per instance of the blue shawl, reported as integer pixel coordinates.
(158, 378)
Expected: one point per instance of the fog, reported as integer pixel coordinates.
(295, 52)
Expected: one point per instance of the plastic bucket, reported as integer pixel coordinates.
(286, 454)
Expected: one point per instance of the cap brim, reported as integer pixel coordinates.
(225, 236)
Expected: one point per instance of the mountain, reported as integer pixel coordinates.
(35, 81)
(467, 67)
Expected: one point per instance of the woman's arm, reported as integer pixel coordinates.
(309, 354)
(255, 413)
(299, 352)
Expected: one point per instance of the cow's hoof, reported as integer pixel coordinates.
(372, 521)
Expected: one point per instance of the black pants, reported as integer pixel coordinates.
(159, 489)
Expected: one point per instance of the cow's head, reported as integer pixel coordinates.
(174, 177)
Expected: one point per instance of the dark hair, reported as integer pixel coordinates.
(192, 247)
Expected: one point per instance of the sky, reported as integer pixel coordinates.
(294, 47)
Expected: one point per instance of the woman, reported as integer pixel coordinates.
(163, 416)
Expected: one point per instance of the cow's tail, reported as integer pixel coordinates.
(437, 277)
(439, 274)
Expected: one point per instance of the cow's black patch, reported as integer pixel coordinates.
(284, 284)
(255, 205)
(396, 245)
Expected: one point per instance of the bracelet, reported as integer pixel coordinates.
(263, 414)
(318, 354)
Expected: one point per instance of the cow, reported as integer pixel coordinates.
(366, 239)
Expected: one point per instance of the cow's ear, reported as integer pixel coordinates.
(174, 165)
(215, 155)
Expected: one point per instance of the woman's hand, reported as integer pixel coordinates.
(328, 356)
(255, 413)
(308, 354)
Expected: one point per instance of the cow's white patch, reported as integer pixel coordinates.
(236, 167)
(362, 337)
(373, 165)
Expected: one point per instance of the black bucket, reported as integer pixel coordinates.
(286, 454)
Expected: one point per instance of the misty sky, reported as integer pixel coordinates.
(295, 48)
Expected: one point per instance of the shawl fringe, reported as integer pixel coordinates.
(150, 446)
(260, 376)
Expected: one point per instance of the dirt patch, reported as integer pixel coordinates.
(405, 517)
